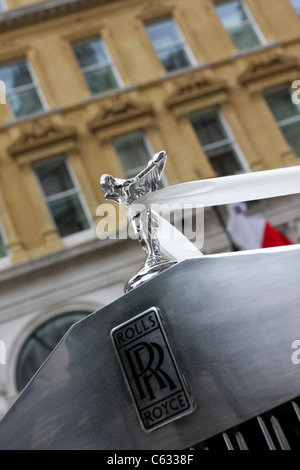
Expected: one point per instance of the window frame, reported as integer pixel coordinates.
(110, 62)
(150, 151)
(230, 140)
(251, 21)
(297, 9)
(3, 6)
(6, 258)
(34, 85)
(35, 327)
(181, 41)
(287, 121)
(67, 239)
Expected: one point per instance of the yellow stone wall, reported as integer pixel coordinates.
(79, 125)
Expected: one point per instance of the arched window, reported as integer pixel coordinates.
(40, 344)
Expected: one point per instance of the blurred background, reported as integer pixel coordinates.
(99, 86)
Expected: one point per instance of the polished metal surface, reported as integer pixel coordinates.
(145, 222)
(231, 321)
(157, 386)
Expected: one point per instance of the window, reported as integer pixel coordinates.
(134, 152)
(238, 21)
(169, 44)
(287, 115)
(3, 250)
(41, 343)
(62, 196)
(22, 90)
(2, 6)
(296, 5)
(219, 146)
(96, 65)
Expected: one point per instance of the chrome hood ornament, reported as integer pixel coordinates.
(144, 221)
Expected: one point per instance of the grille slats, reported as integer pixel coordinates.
(266, 434)
(241, 441)
(281, 438)
(296, 409)
(278, 429)
(227, 441)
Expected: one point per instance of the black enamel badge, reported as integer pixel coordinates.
(156, 384)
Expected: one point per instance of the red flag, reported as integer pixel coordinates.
(252, 231)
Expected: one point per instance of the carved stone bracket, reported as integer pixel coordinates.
(119, 110)
(40, 133)
(266, 65)
(194, 88)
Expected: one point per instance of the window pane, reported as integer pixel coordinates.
(244, 37)
(132, 152)
(223, 157)
(236, 21)
(174, 58)
(40, 344)
(296, 5)
(231, 14)
(54, 176)
(208, 128)
(15, 74)
(162, 32)
(101, 80)
(280, 103)
(66, 208)
(225, 161)
(90, 52)
(68, 215)
(3, 251)
(292, 135)
(25, 102)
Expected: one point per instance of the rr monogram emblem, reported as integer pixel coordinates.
(157, 387)
(145, 371)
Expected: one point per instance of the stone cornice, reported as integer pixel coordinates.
(67, 258)
(43, 10)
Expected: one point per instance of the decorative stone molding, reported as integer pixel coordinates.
(119, 110)
(191, 87)
(43, 10)
(268, 64)
(40, 133)
(194, 92)
(152, 5)
(155, 8)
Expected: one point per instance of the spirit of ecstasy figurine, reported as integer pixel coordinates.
(144, 222)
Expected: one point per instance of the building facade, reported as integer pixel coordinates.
(98, 86)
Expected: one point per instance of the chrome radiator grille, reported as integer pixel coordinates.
(278, 429)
